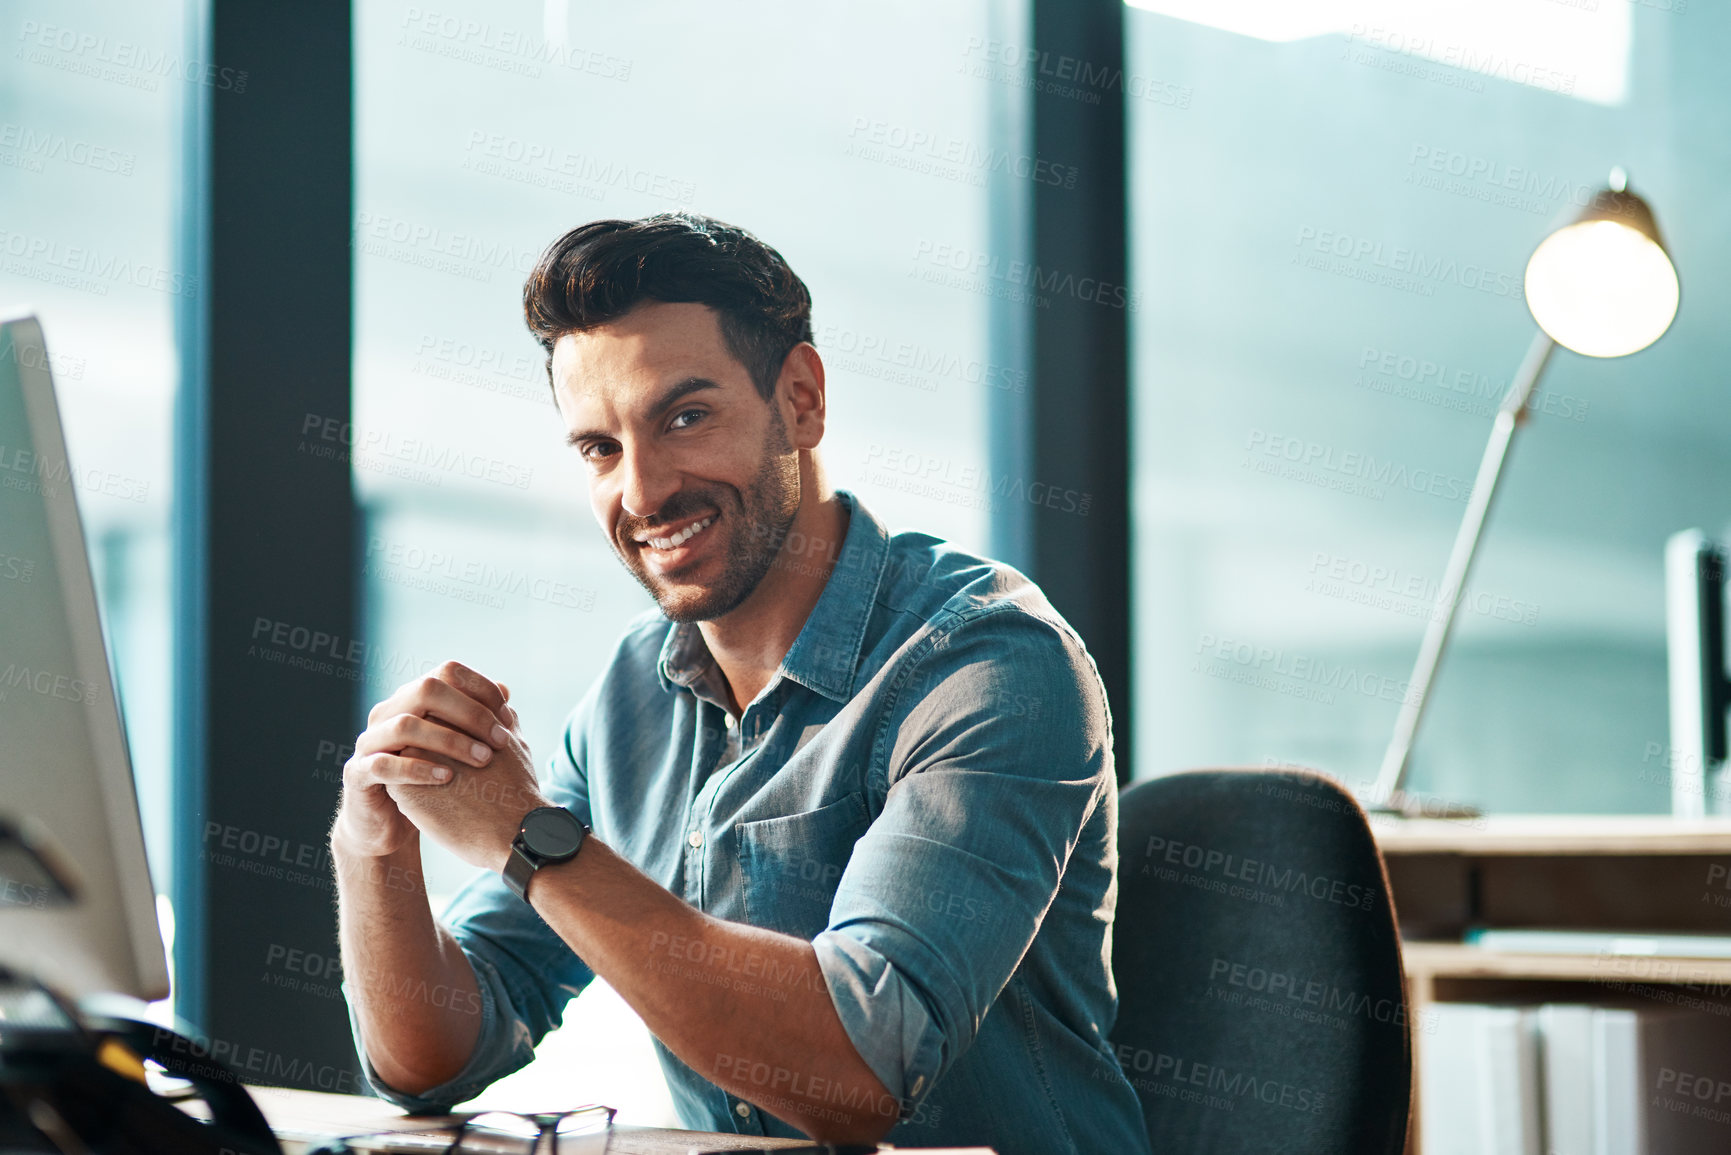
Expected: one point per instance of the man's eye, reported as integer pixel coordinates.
(596, 450)
(679, 421)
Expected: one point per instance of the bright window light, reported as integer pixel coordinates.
(1581, 52)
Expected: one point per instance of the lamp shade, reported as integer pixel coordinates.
(1603, 284)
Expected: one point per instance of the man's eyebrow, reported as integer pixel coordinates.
(669, 397)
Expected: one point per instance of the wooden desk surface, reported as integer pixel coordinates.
(302, 1116)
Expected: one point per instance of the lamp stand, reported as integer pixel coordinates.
(1387, 793)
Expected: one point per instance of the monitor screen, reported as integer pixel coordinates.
(64, 770)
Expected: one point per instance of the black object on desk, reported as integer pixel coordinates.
(76, 1083)
(69, 1083)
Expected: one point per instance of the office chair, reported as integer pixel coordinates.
(1261, 997)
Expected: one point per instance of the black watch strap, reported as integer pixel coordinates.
(519, 869)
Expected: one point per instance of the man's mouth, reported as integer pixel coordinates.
(670, 541)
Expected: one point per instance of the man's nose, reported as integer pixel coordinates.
(649, 480)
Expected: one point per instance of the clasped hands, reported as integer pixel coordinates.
(443, 755)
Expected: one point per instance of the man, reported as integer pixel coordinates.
(838, 817)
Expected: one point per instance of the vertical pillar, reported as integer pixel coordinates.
(264, 533)
(1070, 432)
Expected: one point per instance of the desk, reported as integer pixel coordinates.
(302, 1117)
(1557, 872)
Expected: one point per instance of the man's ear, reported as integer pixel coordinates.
(800, 392)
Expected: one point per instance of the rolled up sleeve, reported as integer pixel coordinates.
(997, 755)
(504, 1045)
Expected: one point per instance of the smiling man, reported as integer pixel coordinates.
(837, 818)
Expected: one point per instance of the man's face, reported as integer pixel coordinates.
(691, 473)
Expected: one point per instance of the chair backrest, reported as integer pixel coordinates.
(1261, 996)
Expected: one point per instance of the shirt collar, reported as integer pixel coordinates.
(825, 656)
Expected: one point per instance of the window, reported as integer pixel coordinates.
(1332, 230)
(89, 171)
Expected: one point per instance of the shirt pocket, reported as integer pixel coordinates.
(792, 864)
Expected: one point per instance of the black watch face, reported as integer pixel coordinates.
(550, 832)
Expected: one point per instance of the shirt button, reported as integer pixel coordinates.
(695, 838)
(730, 721)
(743, 1110)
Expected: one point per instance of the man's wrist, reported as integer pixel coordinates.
(547, 836)
(346, 845)
(503, 859)
(563, 882)
(399, 870)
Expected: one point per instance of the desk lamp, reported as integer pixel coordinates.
(1602, 285)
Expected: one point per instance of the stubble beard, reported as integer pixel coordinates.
(761, 517)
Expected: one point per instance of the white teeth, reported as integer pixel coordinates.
(682, 536)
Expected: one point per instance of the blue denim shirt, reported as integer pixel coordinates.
(924, 791)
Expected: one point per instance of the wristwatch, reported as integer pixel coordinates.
(549, 835)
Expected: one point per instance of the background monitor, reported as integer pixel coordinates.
(1699, 691)
(64, 767)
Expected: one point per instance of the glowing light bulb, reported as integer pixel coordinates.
(1602, 288)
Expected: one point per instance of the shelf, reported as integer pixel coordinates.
(1552, 834)
(1458, 961)
(1626, 874)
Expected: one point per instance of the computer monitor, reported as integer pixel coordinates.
(64, 769)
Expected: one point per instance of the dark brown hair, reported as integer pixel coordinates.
(598, 272)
